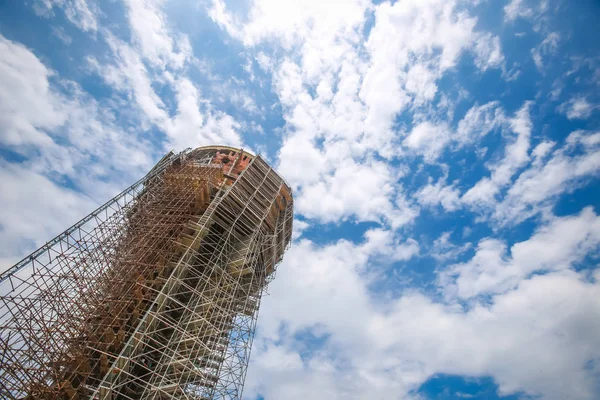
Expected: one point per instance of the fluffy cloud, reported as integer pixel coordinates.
(577, 108)
(548, 46)
(81, 13)
(363, 190)
(357, 347)
(428, 140)
(191, 127)
(341, 99)
(439, 193)
(556, 246)
(34, 210)
(402, 33)
(195, 121)
(478, 122)
(444, 250)
(24, 86)
(516, 155)
(70, 137)
(524, 339)
(68, 128)
(525, 181)
(292, 22)
(488, 52)
(152, 36)
(550, 175)
(517, 9)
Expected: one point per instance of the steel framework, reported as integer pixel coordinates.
(154, 295)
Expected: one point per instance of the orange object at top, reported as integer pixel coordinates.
(234, 162)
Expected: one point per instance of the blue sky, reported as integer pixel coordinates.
(444, 156)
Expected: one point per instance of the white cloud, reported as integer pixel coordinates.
(190, 127)
(60, 33)
(488, 52)
(152, 36)
(34, 209)
(63, 113)
(478, 122)
(81, 13)
(195, 121)
(264, 61)
(240, 98)
(556, 246)
(291, 21)
(548, 46)
(335, 272)
(129, 74)
(327, 177)
(340, 97)
(420, 83)
(517, 9)
(428, 31)
(364, 190)
(577, 108)
(299, 227)
(540, 151)
(25, 87)
(341, 262)
(564, 170)
(439, 193)
(428, 140)
(532, 178)
(523, 338)
(516, 156)
(62, 133)
(444, 250)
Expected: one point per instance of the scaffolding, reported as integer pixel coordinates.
(154, 295)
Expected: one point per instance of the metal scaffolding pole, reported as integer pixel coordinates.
(155, 294)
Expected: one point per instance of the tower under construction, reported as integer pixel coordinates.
(155, 294)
